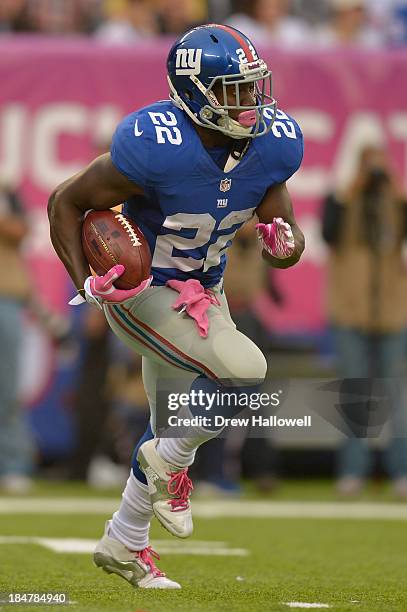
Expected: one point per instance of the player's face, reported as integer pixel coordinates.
(247, 96)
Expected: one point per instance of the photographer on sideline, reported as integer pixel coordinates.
(16, 445)
(367, 302)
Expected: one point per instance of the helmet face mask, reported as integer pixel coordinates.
(209, 89)
(260, 79)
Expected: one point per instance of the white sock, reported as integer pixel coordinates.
(177, 451)
(131, 523)
(181, 451)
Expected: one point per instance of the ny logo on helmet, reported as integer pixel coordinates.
(188, 61)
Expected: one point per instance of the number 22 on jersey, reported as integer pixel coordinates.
(204, 226)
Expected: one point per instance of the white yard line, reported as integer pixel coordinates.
(86, 546)
(216, 509)
(303, 604)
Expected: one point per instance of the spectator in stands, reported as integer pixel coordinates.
(127, 21)
(313, 11)
(11, 15)
(52, 16)
(177, 16)
(397, 22)
(130, 414)
(269, 21)
(391, 18)
(91, 395)
(16, 449)
(348, 24)
(218, 10)
(367, 303)
(244, 261)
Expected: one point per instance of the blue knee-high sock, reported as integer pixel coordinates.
(147, 435)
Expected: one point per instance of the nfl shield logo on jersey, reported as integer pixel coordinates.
(225, 184)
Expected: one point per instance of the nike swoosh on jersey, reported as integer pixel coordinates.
(136, 130)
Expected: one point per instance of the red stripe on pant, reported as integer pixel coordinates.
(173, 348)
(143, 342)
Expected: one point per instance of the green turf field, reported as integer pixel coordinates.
(346, 564)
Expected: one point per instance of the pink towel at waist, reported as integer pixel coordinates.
(196, 300)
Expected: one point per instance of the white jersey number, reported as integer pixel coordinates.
(282, 122)
(165, 128)
(202, 227)
(165, 245)
(216, 250)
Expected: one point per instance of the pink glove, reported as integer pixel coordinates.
(276, 238)
(99, 289)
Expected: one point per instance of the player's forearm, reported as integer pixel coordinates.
(65, 231)
(299, 247)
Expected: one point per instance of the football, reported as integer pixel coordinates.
(110, 238)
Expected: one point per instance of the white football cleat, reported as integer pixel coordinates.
(169, 487)
(137, 567)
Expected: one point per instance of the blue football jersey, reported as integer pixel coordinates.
(191, 209)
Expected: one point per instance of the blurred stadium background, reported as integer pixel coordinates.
(69, 72)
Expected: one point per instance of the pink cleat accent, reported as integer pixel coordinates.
(146, 556)
(179, 485)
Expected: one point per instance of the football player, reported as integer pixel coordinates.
(190, 171)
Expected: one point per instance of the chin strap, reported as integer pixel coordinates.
(236, 155)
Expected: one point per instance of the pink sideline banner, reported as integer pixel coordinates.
(59, 98)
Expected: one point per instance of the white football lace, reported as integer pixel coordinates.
(133, 236)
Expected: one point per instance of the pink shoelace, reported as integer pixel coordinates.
(181, 486)
(146, 556)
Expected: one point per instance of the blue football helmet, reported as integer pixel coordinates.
(217, 54)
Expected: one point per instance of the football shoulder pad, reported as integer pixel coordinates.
(281, 150)
(150, 146)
